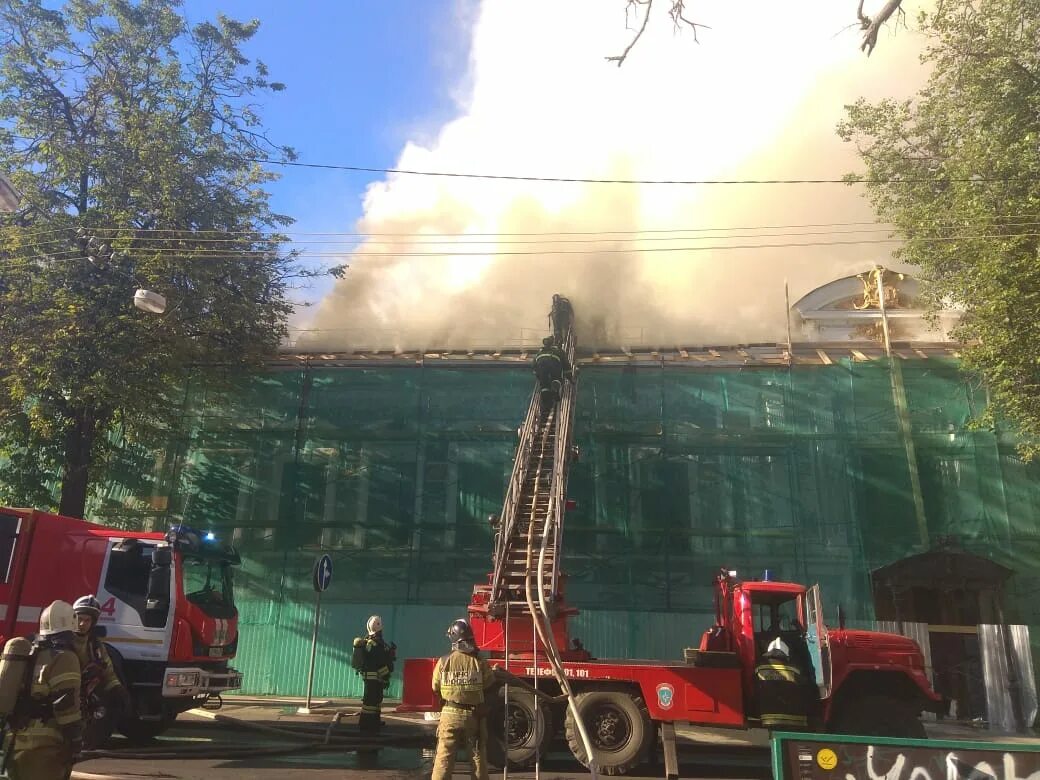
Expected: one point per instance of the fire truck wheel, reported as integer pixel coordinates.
(878, 716)
(618, 725)
(529, 729)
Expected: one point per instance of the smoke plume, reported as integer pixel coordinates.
(757, 98)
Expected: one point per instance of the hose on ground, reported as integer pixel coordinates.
(240, 751)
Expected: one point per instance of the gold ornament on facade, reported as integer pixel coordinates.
(889, 280)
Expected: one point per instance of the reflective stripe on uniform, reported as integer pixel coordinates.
(58, 679)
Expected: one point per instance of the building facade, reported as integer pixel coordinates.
(826, 461)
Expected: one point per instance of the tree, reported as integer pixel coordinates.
(957, 170)
(120, 121)
(676, 10)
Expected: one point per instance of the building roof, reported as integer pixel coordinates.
(752, 355)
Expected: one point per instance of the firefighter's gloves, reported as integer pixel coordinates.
(393, 651)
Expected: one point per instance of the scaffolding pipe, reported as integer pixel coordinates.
(895, 374)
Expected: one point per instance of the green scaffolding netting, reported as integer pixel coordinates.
(818, 473)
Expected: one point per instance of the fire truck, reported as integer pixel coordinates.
(862, 682)
(167, 605)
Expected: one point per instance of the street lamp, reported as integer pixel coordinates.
(145, 300)
(151, 302)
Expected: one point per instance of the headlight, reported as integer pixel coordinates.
(182, 680)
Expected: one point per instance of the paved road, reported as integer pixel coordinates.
(245, 754)
(733, 761)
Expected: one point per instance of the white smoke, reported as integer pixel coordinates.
(758, 97)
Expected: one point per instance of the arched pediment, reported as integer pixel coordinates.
(849, 309)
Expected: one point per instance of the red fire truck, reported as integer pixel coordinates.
(865, 682)
(167, 605)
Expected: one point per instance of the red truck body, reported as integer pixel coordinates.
(170, 640)
(715, 683)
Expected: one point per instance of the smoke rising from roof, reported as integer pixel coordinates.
(758, 98)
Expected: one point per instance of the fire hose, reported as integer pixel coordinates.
(305, 739)
(552, 652)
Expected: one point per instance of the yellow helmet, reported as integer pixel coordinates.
(57, 618)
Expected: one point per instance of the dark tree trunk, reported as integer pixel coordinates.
(79, 444)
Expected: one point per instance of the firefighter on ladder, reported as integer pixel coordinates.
(46, 722)
(550, 367)
(461, 680)
(781, 688)
(374, 661)
(103, 695)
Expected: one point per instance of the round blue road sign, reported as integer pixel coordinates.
(322, 573)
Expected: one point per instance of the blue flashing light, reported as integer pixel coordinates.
(767, 575)
(210, 536)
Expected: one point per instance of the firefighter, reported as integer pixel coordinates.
(48, 727)
(782, 699)
(374, 661)
(461, 680)
(103, 696)
(562, 315)
(550, 367)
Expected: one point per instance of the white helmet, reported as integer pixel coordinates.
(374, 624)
(778, 647)
(57, 619)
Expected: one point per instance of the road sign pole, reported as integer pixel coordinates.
(322, 578)
(314, 652)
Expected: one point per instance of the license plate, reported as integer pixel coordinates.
(216, 652)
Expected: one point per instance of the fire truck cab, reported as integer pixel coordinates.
(866, 682)
(167, 605)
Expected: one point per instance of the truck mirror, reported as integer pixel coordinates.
(841, 617)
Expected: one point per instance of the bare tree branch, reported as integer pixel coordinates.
(872, 26)
(677, 13)
(633, 5)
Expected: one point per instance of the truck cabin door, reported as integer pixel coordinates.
(817, 640)
(135, 597)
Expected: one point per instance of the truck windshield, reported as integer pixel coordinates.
(207, 584)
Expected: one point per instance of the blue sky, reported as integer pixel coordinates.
(362, 78)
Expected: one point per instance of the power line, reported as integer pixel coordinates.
(219, 254)
(154, 243)
(580, 180)
(174, 234)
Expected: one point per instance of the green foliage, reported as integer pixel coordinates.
(957, 170)
(119, 119)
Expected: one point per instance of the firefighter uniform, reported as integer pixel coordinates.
(101, 690)
(781, 695)
(45, 746)
(461, 680)
(94, 659)
(378, 664)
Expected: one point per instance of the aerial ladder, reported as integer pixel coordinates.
(526, 581)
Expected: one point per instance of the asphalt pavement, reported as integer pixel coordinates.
(269, 740)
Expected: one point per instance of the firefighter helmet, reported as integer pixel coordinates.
(87, 605)
(778, 649)
(374, 624)
(58, 618)
(460, 630)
